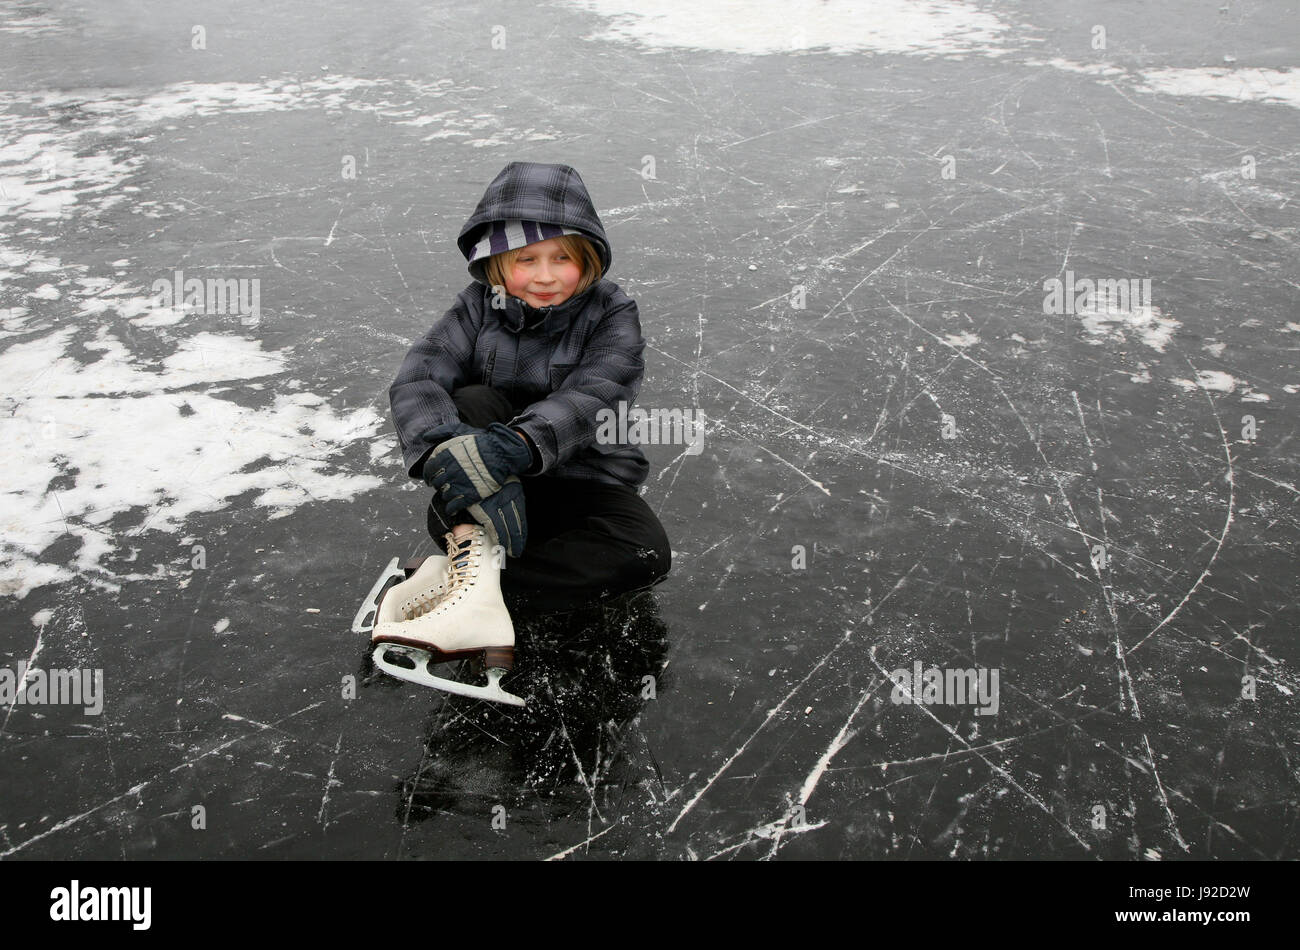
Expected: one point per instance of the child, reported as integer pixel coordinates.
(496, 409)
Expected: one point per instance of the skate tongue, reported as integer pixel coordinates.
(461, 557)
(462, 560)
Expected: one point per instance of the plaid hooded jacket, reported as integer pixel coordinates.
(560, 365)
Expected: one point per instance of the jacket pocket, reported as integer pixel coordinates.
(559, 372)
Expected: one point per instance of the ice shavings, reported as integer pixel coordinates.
(1212, 379)
(1145, 323)
(1217, 381)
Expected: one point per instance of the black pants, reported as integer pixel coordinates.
(587, 540)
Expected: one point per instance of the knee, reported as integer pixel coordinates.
(480, 406)
(647, 563)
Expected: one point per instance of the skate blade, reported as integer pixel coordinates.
(421, 676)
(364, 621)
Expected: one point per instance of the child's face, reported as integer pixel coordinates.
(543, 274)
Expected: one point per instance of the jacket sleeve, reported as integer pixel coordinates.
(420, 396)
(611, 371)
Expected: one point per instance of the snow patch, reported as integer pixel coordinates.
(28, 20)
(106, 449)
(1243, 85)
(59, 154)
(1218, 82)
(764, 27)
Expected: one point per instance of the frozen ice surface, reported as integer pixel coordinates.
(841, 260)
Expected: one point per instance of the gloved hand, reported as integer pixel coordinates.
(435, 437)
(471, 468)
(502, 515)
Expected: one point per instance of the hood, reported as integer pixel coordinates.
(532, 191)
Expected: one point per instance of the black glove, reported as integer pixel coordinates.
(470, 468)
(502, 516)
(438, 435)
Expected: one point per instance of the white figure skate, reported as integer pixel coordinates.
(469, 620)
(432, 584)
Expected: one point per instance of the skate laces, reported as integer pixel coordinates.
(424, 603)
(464, 555)
(462, 560)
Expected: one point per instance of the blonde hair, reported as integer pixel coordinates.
(576, 246)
